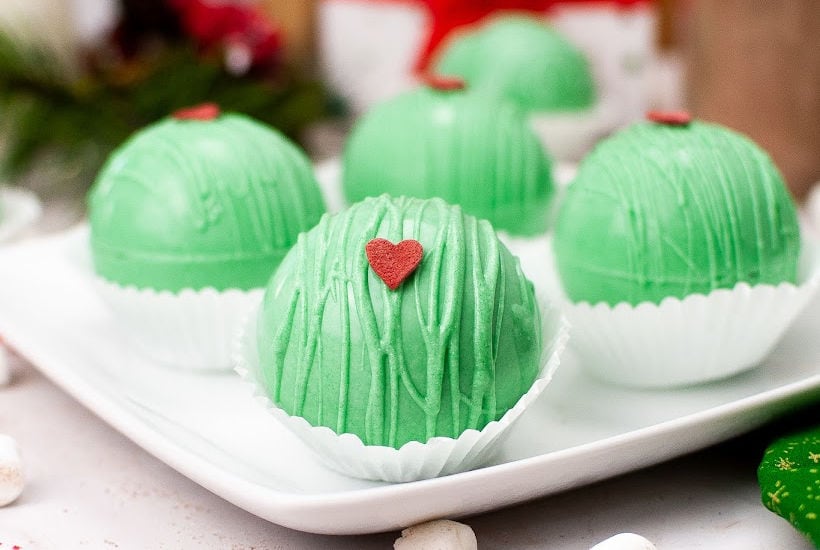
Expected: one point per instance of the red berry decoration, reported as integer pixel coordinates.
(444, 83)
(203, 111)
(670, 118)
(393, 263)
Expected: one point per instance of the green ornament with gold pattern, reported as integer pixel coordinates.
(789, 478)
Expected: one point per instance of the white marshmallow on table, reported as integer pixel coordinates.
(625, 541)
(11, 471)
(441, 534)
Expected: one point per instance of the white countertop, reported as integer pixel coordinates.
(90, 487)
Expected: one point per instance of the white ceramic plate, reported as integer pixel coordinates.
(209, 429)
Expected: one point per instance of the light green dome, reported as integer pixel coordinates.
(200, 203)
(523, 60)
(462, 147)
(663, 210)
(454, 347)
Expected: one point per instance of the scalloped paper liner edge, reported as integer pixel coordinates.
(190, 329)
(697, 339)
(347, 454)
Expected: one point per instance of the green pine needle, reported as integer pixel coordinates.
(79, 122)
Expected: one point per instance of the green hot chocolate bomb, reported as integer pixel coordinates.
(441, 141)
(453, 347)
(674, 208)
(524, 61)
(194, 203)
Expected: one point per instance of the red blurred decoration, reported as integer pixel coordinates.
(670, 118)
(446, 16)
(203, 111)
(247, 36)
(443, 83)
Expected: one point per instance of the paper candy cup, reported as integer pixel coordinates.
(191, 329)
(569, 135)
(688, 341)
(346, 453)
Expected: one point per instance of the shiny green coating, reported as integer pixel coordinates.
(196, 204)
(454, 347)
(523, 60)
(457, 146)
(789, 479)
(660, 210)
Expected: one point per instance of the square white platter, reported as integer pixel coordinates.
(210, 429)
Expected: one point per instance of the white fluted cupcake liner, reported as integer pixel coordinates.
(346, 453)
(687, 341)
(190, 329)
(569, 135)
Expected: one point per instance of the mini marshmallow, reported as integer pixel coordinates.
(625, 541)
(11, 471)
(441, 534)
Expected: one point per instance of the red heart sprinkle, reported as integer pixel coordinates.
(443, 83)
(393, 263)
(670, 118)
(203, 111)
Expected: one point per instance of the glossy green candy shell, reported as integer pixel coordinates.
(523, 60)
(458, 146)
(661, 210)
(789, 478)
(195, 204)
(454, 347)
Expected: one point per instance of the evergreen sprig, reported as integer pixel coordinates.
(78, 121)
